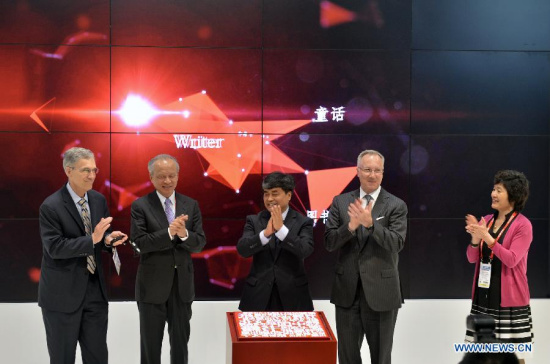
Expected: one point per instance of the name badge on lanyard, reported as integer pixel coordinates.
(484, 280)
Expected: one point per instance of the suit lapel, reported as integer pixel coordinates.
(71, 207)
(289, 222)
(95, 216)
(379, 206)
(290, 219)
(360, 235)
(181, 206)
(158, 211)
(95, 209)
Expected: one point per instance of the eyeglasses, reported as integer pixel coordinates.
(87, 170)
(369, 171)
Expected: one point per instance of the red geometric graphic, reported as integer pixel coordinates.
(37, 119)
(332, 14)
(224, 265)
(123, 197)
(323, 185)
(233, 150)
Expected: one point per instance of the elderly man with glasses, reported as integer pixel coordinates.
(75, 228)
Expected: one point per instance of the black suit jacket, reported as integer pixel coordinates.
(160, 255)
(372, 255)
(283, 264)
(65, 246)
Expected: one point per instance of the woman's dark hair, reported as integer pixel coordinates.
(516, 185)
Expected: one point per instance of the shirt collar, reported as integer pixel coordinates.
(285, 213)
(163, 199)
(74, 196)
(374, 194)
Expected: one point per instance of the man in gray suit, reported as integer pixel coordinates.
(367, 227)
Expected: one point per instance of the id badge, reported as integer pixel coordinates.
(484, 280)
(116, 259)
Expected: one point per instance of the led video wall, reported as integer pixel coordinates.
(237, 89)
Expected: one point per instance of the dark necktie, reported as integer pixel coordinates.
(364, 230)
(368, 198)
(88, 227)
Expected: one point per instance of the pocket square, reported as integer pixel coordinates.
(380, 218)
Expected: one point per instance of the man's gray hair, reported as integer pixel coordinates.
(75, 154)
(369, 152)
(161, 157)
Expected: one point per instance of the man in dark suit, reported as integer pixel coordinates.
(367, 227)
(167, 228)
(278, 239)
(73, 226)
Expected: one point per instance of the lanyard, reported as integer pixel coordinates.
(498, 237)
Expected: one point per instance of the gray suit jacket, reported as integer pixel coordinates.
(370, 254)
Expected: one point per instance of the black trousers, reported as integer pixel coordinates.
(87, 326)
(274, 304)
(152, 319)
(359, 321)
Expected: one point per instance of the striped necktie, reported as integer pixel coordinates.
(88, 227)
(170, 215)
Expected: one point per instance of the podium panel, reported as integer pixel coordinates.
(279, 338)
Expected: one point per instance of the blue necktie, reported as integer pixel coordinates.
(170, 215)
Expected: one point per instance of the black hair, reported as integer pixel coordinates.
(279, 179)
(517, 186)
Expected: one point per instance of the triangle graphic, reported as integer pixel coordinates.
(332, 14)
(34, 116)
(323, 185)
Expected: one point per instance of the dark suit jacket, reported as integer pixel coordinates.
(65, 246)
(159, 255)
(371, 255)
(283, 265)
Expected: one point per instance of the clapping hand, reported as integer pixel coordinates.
(359, 215)
(177, 227)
